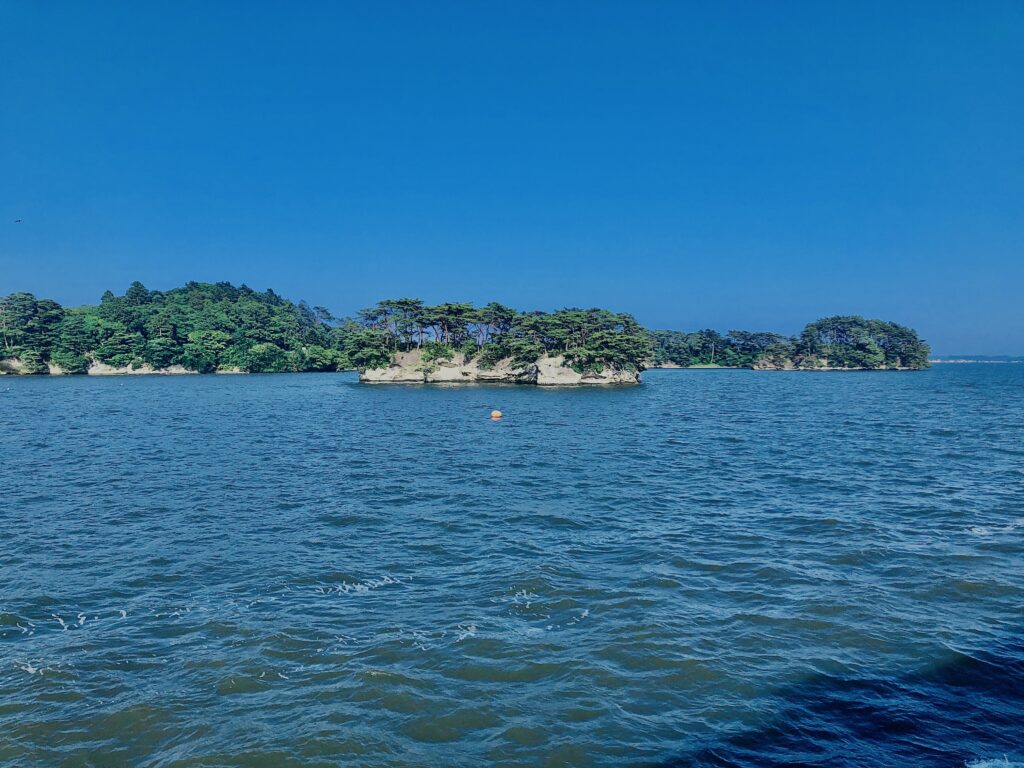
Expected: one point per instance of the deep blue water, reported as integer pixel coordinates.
(715, 568)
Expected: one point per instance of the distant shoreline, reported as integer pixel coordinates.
(823, 368)
(105, 371)
(215, 327)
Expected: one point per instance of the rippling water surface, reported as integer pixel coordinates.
(715, 568)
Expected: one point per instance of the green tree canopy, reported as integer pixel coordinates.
(218, 326)
(202, 326)
(834, 342)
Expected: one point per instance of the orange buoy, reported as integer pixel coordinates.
(495, 415)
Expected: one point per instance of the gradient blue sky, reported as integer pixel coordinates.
(728, 165)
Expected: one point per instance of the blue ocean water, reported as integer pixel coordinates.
(715, 568)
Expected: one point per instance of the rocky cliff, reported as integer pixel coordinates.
(411, 368)
(14, 366)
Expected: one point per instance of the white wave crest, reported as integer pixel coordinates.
(358, 587)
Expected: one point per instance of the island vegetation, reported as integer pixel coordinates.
(206, 327)
(589, 340)
(843, 342)
(201, 327)
(218, 327)
(708, 348)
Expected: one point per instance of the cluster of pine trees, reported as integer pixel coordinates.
(203, 327)
(216, 326)
(842, 341)
(588, 339)
(208, 327)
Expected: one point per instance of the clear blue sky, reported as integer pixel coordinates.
(728, 165)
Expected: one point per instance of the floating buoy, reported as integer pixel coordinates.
(495, 415)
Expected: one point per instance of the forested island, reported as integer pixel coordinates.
(495, 343)
(201, 327)
(221, 328)
(842, 342)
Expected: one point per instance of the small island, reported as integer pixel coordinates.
(460, 343)
(221, 328)
(838, 343)
(199, 328)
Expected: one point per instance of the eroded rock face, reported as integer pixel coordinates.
(393, 374)
(102, 369)
(14, 366)
(766, 364)
(410, 368)
(551, 371)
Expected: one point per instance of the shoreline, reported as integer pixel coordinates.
(822, 369)
(415, 367)
(412, 368)
(420, 378)
(9, 367)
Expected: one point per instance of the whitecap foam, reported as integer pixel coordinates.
(357, 587)
(34, 668)
(523, 597)
(581, 617)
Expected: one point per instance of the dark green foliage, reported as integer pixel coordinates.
(265, 358)
(490, 354)
(589, 339)
(32, 362)
(436, 350)
(317, 358)
(853, 342)
(80, 332)
(28, 324)
(121, 347)
(523, 350)
(217, 326)
(367, 348)
(69, 362)
(203, 327)
(834, 342)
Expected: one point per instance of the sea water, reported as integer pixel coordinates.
(714, 568)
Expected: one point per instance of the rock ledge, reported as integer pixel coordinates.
(410, 368)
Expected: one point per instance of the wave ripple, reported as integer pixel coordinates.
(722, 568)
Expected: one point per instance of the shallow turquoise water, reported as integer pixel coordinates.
(713, 568)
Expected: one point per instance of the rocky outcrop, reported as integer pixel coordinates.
(102, 369)
(411, 368)
(14, 366)
(552, 371)
(769, 364)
